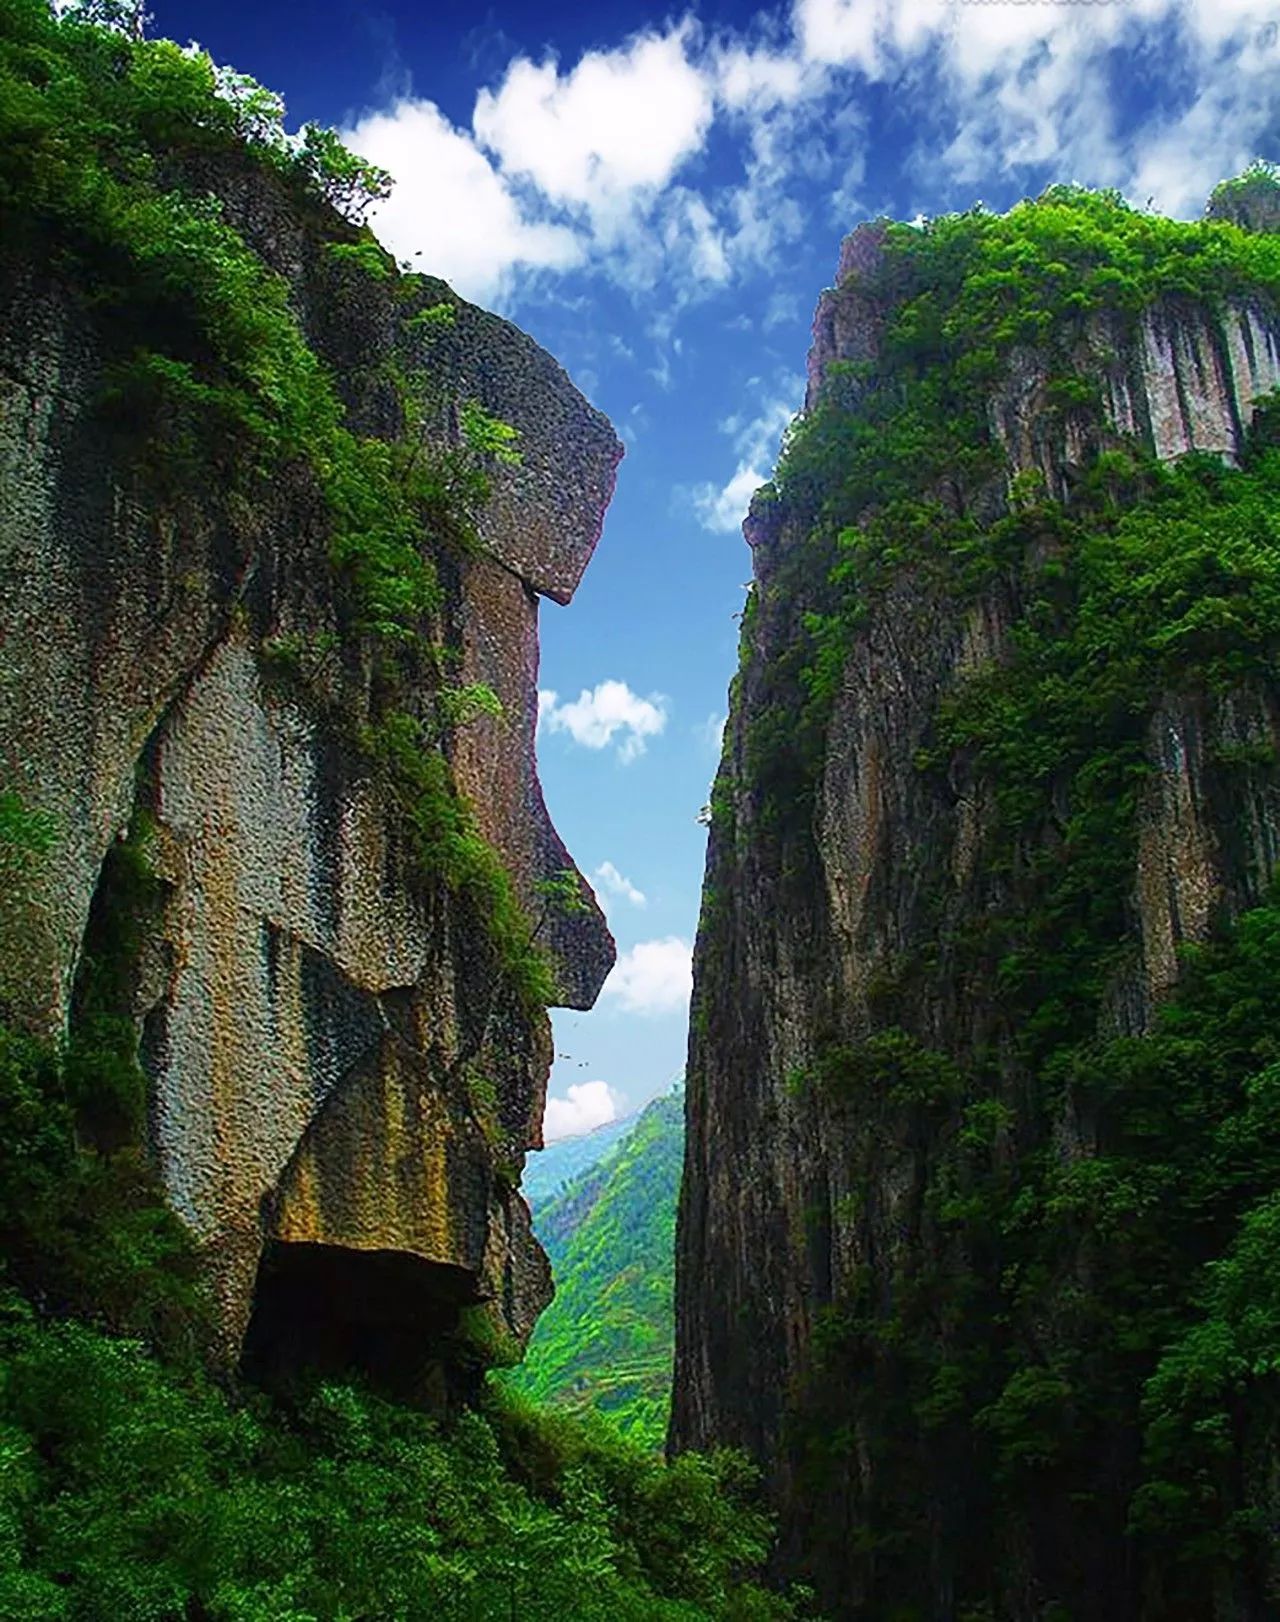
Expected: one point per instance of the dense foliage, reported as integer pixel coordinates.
(132, 1485)
(129, 1490)
(896, 466)
(606, 1341)
(1079, 1336)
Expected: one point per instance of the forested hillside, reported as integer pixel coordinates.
(605, 1342)
(546, 1171)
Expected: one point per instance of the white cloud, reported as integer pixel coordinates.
(759, 78)
(593, 164)
(1181, 159)
(757, 437)
(614, 129)
(618, 884)
(837, 31)
(781, 308)
(600, 713)
(588, 1104)
(450, 204)
(653, 977)
(711, 732)
(722, 510)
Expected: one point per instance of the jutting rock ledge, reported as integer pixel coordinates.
(343, 1076)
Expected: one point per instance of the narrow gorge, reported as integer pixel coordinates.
(976, 1304)
(976, 1244)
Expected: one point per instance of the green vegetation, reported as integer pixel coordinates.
(445, 842)
(1152, 1399)
(1251, 198)
(83, 1225)
(893, 469)
(106, 143)
(131, 1484)
(606, 1342)
(127, 1489)
(1079, 1324)
(24, 833)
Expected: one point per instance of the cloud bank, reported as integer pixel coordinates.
(585, 1106)
(653, 977)
(602, 713)
(602, 164)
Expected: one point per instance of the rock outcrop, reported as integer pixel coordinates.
(854, 1017)
(339, 1067)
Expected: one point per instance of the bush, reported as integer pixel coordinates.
(127, 1490)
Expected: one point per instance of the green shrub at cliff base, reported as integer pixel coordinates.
(1094, 1333)
(126, 1490)
(87, 1231)
(133, 1486)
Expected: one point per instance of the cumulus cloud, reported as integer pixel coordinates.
(615, 883)
(612, 130)
(653, 977)
(585, 1106)
(722, 509)
(756, 435)
(601, 713)
(1009, 88)
(451, 205)
(594, 164)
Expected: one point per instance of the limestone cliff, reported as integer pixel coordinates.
(981, 784)
(343, 1075)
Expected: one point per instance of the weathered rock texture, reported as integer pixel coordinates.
(792, 1201)
(335, 1058)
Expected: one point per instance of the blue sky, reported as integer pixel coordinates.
(658, 198)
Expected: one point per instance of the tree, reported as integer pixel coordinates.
(129, 17)
(259, 112)
(349, 182)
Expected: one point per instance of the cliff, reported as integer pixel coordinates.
(274, 523)
(979, 1163)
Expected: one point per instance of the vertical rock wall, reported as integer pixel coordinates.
(336, 1060)
(815, 898)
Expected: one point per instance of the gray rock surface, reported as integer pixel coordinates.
(307, 990)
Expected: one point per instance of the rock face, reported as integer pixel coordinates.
(339, 1067)
(839, 965)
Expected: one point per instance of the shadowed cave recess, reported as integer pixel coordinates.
(392, 1318)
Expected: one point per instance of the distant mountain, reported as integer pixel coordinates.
(546, 1171)
(606, 1340)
